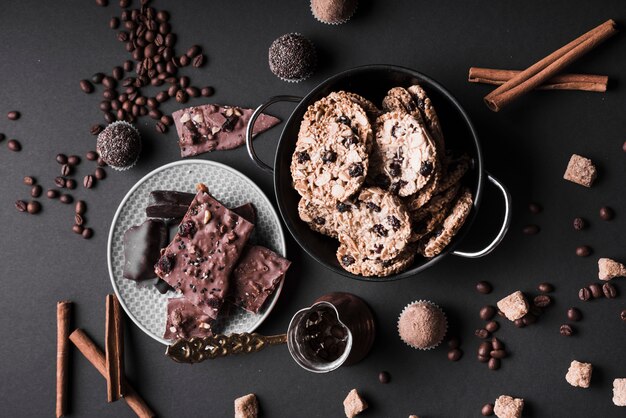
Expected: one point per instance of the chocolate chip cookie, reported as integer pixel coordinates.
(427, 218)
(369, 267)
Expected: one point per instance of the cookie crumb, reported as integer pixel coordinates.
(247, 406)
(353, 405)
(514, 306)
(579, 374)
(609, 269)
(508, 407)
(580, 170)
(619, 392)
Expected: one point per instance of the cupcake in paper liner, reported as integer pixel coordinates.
(333, 12)
(422, 325)
(292, 57)
(119, 145)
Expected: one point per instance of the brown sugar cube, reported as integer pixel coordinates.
(580, 170)
(353, 405)
(508, 407)
(579, 374)
(247, 406)
(608, 269)
(619, 392)
(514, 306)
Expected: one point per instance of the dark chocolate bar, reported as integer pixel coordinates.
(200, 258)
(142, 246)
(168, 204)
(256, 276)
(184, 320)
(247, 212)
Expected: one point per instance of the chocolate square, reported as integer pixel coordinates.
(185, 320)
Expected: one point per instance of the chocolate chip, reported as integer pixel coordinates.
(583, 251)
(384, 377)
(487, 410)
(87, 233)
(542, 301)
(342, 207)
(395, 169)
(426, 168)
(484, 287)
(455, 354)
(606, 213)
(356, 170)
(33, 207)
(380, 230)
(302, 156)
(319, 220)
(579, 224)
(329, 157)
(534, 208)
(395, 187)
(162, 286)
(610, 292)
(347, 260)
(20, 205)
(487, 312)
(494, 363)
(574, 314)
(394, 222)
(596, 290)
(530, 230)
(566, 330)
(14, 145)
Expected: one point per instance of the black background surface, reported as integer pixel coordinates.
(47, 47)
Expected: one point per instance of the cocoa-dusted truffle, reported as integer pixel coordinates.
(292, 57)
(422, 325)
(119, 145)
(333, 12)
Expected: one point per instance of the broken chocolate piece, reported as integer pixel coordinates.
(142, 246)
(247, 212)
(184, 320)
(168, 204)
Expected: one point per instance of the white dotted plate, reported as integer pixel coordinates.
(141, 300)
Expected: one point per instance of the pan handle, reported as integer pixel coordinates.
(251, 152)
(503, 229)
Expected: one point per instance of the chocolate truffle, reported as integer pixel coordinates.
(119, 145)
(292, 57)
(422, 325)
(333, 12)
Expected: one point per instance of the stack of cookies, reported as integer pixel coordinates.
(379, 181)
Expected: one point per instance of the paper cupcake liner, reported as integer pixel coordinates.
(339, 22)
(123, 122)
(313, 66)
(444, 317)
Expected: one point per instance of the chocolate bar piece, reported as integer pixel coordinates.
(184, 320)
(247, 212)
(257, 275)
(168, 204)
(213, 127)
(142, 246)
(200, 258)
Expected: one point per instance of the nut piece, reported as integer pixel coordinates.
(580, 170)
(619, 392)
(508, 407)
(354, 404)
(207, 216)
(247, 406)
(608, 269)
(514, 306)
(579, 374)
(201, 187)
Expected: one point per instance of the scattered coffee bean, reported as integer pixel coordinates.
(59, 181)
(497, 344)
(485, 348)
(114, 23)
(596, 290)
(584, 294)
(492, 326)
(534, 208)
(530, 230)
(87, 233)
(66, 198)
(91, 156)
(542, 301)
(623, 315)
(13, 115)
(29, 181)
(494, 363)
(566, 330)
(181, 96)
(20, 205)
(499, 354)
(66, 170)
(70, 184)
(161, 127)
(529, 319)
(545, 288)
(101, 162)
(487, 312)
(88, 181)
(78, 219)
(100, 174)
(73, 160)
(52, 193)
(384, 377)
(33, 207)
(36, 190)
(606, 213)
(455, 354)
(487, 410)
(78, 229)
(80, 207)
(483, 359)
(583, 251)
(97, 78)
(61, 158)
(574, 314)
(207, 91)
(519, 323)
(579, 224)
(86, 86)
(198, 61)
(95, 129)
(14, 145)
(484, 287)
(454, 342)
(610, 292)
(102, 3)
(482, 333)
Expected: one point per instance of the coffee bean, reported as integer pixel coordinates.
(455, 354)
(128, 66)
(583, 251)
(33, 207)
(483, 359)
(181, 96)
(14, 145)
(13, 115)
(484, 287)
(70, 184)
(519, 323)
(114, 23)
(59, 181)
(91, 155)
(579, 224)
(529, 319)
(78, 219)
(487, 410)
(80, 207)
(494, 363)
(534, 208)
(485, 348)
(497, 344)
(61, 158)
(207, 91)
(78, 229)
(193, 91)
(155, 114)
(566, 330)
(102, 3)
(87, 233)
(161, 97)
(105, 105)
(384, 377)
(596, 290)
(574, 314)
(492, 326)
(101, 162)
(545, 287)
(193, 51)
(161, 127)
(29, 180)
(109, 82)
(36, 190)
(487, 312)
(606, 213)
(95, 129)
(162, 16)
(623, 315)
(118, 73)
(20, 205)
(167, 120)
(542, 301)
(530, 230)
(610, 292)
(97, 78)
(52, 193)
(86, 86)
(199, 61)
(184, 61)
(66, 170)
(99, 173)
(454, 342)
(66, 198)
(482, 333)
(88, 181)
(499, 354)
(584, 294)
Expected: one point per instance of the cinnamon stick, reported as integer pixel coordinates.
(583, 82)
(541, 71)
(64, 312)
(96, 357)
(114, 348)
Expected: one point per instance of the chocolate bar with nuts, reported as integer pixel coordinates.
(200, 258)
(184, 320)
